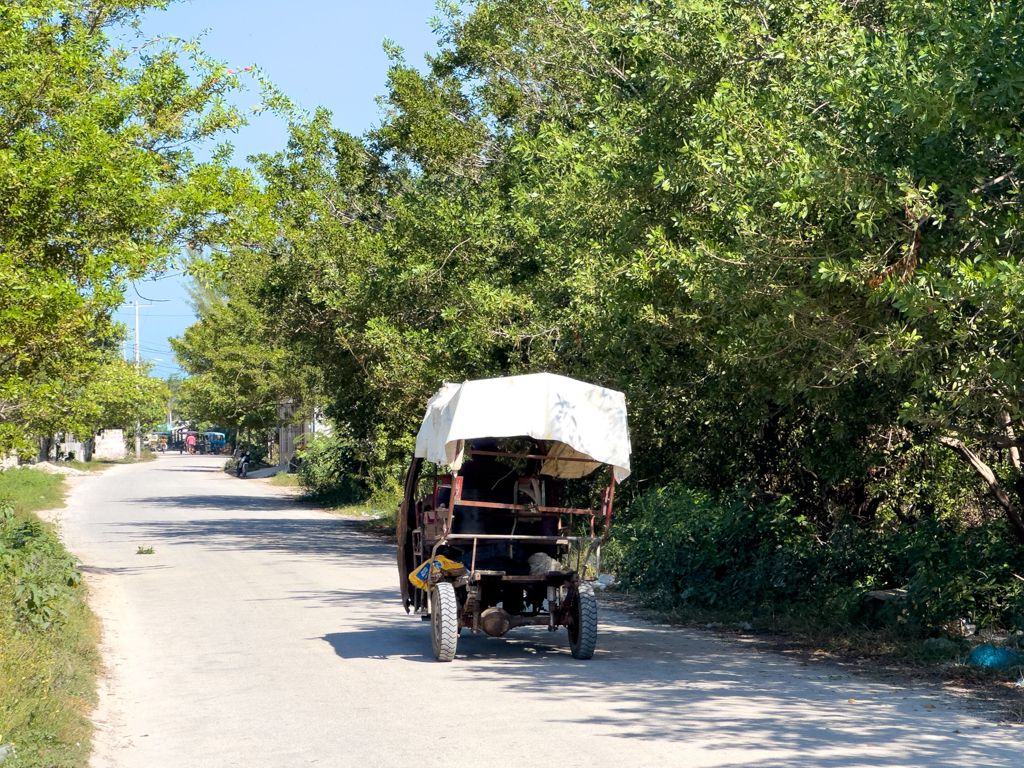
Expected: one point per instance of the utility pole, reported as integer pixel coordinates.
(138, 424)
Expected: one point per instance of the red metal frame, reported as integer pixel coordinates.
(423, 538)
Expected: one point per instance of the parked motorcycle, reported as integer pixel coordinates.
(242, 470)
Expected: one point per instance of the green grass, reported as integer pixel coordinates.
(48, 686)
(30, 490)
(96, 465)
(284, 479)
(48, 635)
(377, 521)
(356, 510)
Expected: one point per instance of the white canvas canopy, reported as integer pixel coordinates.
(582, 420)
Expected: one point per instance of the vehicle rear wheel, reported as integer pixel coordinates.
(583, 622)
(444, 621)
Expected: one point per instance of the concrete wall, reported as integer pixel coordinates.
(109, 445)
(290, 435)
(61, 446)
(68, 445)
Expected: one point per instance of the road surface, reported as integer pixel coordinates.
(262, 634)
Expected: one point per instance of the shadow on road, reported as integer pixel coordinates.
(661, 687)
(214, 503)
(663, 683)
(128, 571)
(201, 470)
(321, 535)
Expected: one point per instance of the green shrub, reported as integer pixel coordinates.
(332, 470)
(683, 548)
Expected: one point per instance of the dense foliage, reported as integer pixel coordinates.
(47, 645)
(100, 188)
(688, 550)
(332, 469)
(789, 232)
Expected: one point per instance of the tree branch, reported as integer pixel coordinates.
(989, 477)
(1014, 450)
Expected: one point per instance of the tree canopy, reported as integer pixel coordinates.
(788, 232)
(101, 188)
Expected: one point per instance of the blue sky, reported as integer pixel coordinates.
(319, 53)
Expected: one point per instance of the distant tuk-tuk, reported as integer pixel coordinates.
(487, 542)
(213, 442)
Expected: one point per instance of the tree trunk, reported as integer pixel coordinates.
(989, 476)
(1014, 450)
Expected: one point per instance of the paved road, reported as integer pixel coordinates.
(263, 634)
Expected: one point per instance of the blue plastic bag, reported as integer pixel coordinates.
(991, 657)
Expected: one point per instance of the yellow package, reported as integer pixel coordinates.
(440, 564)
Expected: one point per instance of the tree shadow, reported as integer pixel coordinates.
(321, 535)
(122, 571)
(662, 684)
(202, 470)
(665, 684)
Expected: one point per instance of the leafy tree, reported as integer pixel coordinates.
(788, 232)
(100, 186)
(236, 375)
(785, 231)
(173, 387)
(118, 395)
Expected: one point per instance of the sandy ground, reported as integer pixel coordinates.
(260, 633)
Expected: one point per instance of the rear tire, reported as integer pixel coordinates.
(583, 622)
(444, 621)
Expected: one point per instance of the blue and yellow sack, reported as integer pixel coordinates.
(441, 564)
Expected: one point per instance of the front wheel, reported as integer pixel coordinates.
(444, 621)
(583, 622)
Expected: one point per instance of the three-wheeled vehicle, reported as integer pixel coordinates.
(489, 541)
(214, 441)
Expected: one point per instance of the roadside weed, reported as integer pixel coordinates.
(48, 646)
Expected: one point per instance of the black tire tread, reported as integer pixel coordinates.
(586, 615)
(445, 631)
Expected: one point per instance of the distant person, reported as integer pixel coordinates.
(190, 441)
